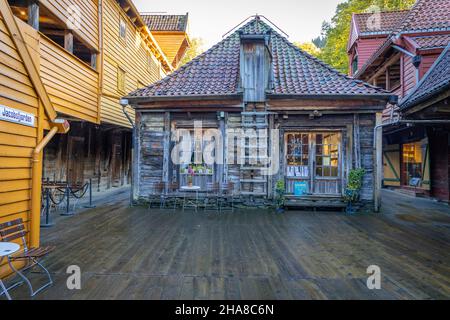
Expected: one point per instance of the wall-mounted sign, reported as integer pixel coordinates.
(16, 116)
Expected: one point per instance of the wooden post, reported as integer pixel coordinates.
(379, 161)
(270, 178)
(33, 14)
(166, 150)
(356, 141)
(220, 166)
(68, 40)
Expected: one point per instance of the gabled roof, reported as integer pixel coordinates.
(435, 81)
(427, 16)
(387, 23)
(162, 22)
(217, 72)
(431, 42)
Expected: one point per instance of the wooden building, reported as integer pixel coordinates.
(70, 60)
(89, 54)
(394, 50)
(26, 112)
(269, 111)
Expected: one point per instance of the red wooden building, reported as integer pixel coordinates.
(395, 51)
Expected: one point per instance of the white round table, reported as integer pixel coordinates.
(6, 249)
(189, 202)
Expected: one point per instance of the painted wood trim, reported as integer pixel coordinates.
(19, 41)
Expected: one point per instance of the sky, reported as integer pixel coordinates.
(211, 19)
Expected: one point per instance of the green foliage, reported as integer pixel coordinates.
(195, 50)
(354, 185)
(280, 190)
(355, 179)
(309, 47)
(335, 34)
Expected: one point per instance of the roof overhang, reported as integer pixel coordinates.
(388, 97)
(142, 100)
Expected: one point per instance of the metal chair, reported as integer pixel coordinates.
(173, 195)
(157, 196)
(212, 196)
(227, 198)
(15, 230)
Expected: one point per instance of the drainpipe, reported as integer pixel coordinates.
(59, 126)
(124, 104)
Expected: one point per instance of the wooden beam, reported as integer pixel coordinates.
(68, 41)
(33, 14)
(19, 41)
(378, 152)
(386, 65)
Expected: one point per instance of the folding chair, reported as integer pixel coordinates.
(227, 197)
(157, 196)
(212, 196)
(174, 194)
(15, 230)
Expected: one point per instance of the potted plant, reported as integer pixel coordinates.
(280, 196)
(190, 176)
(352, 191)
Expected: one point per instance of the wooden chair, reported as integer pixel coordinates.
(15, 230)
(227, 198)
(212, 196)
(157, 196)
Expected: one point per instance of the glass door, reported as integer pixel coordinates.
(313, 163)
(327, 179)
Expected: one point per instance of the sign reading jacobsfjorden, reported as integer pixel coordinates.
(16, 116)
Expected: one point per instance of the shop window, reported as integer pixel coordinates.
(327, 155)
(412, 163)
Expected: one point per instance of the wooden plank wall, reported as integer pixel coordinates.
(16, 141)
(131, 56)
(150, 151)
(170, 42)
(64, 10)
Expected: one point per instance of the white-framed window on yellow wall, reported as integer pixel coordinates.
(123, 29)
(121, 80)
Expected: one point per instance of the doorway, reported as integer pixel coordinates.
(313, 163)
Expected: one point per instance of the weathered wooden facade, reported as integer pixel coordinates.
(395, 50)
(267, 112)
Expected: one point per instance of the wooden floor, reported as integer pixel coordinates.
(131, 253)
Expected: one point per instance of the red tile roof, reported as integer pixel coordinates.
(427, 15)
(216, 72)
(435, 81)
(432, 42)
(384, 23)
(160, 22)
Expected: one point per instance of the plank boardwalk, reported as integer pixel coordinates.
(131, 253)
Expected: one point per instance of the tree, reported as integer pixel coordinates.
(308, 47)
(195, 50)
(336, 33)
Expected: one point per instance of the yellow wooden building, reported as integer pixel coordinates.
(67, 63)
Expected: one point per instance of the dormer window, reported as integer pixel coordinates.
(355, 65)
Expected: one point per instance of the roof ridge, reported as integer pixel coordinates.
(385, 11)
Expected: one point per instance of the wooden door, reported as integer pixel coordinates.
(313, 163)
(327, 155)
(75, 166)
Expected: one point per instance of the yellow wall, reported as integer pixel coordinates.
(132, 56)
(16, 141)
(170, 42)
(391, 165)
